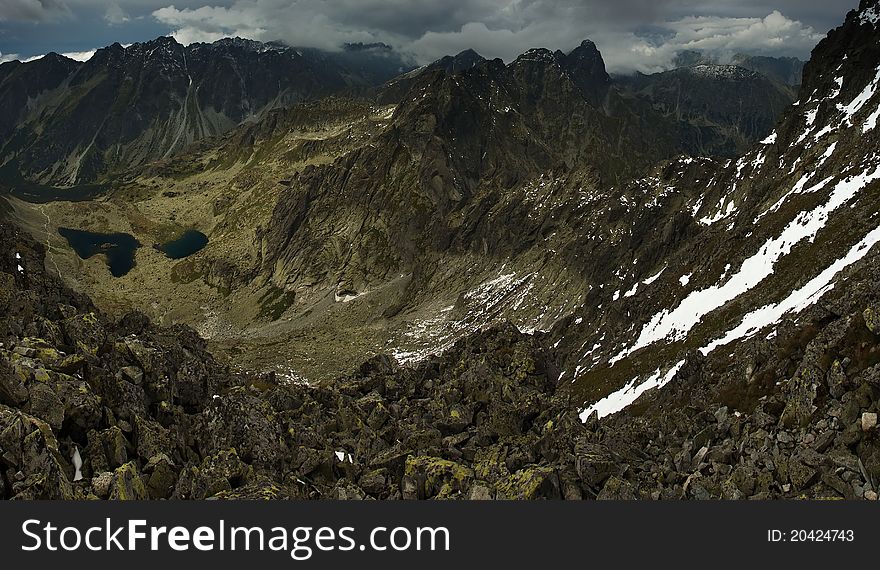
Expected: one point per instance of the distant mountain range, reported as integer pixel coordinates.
(785, 70)
(66, 123)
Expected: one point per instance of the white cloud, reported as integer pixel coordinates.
(771, 34)
(80, 55)
(625, 50)
(4, 57)
(300, 24)
(115, 15)
(76, 55)
(210, 23)
(497, 28)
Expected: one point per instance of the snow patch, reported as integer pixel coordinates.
(77, 464)
(720, 215)
(617, 401)
(856, 105)
(347, 296)
(798, 188)
(870, 16)
(677, 323)
(798, 300)
(653, 278)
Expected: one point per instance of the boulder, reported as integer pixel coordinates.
(801, 395)
(531, 483)
(127, 484)
(85, 332)
(433, 477)
(617, 489)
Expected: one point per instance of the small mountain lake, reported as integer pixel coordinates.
(190, 242)
(118, 248)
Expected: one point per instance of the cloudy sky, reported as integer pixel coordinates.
(632, 34)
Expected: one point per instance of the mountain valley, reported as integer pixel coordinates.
(474, 279)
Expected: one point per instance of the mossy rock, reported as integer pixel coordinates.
(801, 395)
(222, 472)
(70, 364)
(85, 332)
(31, 448)
(872, 318)
(616, 489)
(261, 491)
(7, 288)
(127, 484)
(44, 403)
(107, 449)
(151, 438)
(531, 483)
(435, 477)
(161, 476)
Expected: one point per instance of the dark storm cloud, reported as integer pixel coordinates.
(632, 34)
(32, 10)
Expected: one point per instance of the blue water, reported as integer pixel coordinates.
(187, 244)
(118, 248)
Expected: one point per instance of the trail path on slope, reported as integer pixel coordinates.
(48, 244)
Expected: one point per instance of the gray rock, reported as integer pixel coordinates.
(132, 374)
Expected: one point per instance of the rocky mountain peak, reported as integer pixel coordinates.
(373, 46)
(586, 54)
(128, 106)
(460, 62)
(587, 69)
(540, 55)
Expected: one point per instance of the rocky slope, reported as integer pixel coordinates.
(785, 70)
(750, 107)
(68, 123)
(150, 415)
(756, 240)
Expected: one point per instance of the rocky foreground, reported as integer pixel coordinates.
(149, 414)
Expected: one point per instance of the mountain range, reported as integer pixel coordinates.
(475, 279)
(67, 122)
